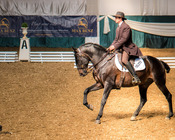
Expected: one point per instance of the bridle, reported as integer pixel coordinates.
(89, 69)
(82, 54)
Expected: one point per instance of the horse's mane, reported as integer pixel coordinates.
(97, 46)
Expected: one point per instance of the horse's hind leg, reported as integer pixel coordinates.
(168, 96)
(143, 100)
(94, 87)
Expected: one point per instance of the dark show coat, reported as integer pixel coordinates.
(123, 40)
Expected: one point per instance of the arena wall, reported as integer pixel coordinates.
(156, 11)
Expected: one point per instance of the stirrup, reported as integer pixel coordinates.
(135, 81)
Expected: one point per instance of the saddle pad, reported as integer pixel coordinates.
(138, 64)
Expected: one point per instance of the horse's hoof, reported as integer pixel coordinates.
(91, 107)
(133, 118)
(98, 122)
(167, 118)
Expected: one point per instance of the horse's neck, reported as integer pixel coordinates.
(96, 56)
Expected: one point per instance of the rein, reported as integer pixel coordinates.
(89, 69)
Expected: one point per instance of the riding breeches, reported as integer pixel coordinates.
(125, 58)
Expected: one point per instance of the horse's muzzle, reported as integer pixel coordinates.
(83, 73)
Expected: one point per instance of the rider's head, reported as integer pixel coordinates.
(119, 17)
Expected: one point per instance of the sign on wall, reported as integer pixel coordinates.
(49, 26)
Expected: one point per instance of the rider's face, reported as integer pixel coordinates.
(118, 19)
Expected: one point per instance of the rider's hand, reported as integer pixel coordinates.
(111, 48)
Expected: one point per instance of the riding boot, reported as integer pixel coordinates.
(135, 79)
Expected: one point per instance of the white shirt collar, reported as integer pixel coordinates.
(120, 23)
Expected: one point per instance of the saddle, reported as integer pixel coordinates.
(137, 63)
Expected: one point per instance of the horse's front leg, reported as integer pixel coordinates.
(94, 87)
(107, 90)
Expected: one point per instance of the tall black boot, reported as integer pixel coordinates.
(136, 79)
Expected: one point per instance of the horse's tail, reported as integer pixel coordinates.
(166, 66)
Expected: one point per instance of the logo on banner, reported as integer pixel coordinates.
(82, 27)
(82, 24)
(5, 26)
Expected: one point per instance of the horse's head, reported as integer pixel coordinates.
(82, 61)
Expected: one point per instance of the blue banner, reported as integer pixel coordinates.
(49, 26)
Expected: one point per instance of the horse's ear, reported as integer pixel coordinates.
(74, 49)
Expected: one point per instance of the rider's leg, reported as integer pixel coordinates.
(125, 58)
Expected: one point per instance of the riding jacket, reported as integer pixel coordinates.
(123, 40)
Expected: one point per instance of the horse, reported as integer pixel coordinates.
(108, 76)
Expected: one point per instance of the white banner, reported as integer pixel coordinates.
(161, 29)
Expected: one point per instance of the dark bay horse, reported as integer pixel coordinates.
(107, 76)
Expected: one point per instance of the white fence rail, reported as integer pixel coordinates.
(8, 56)
(58, 56)
(169, 60)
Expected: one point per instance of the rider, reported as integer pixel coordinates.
(123, 41)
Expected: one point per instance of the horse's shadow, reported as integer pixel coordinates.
(143, 115)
